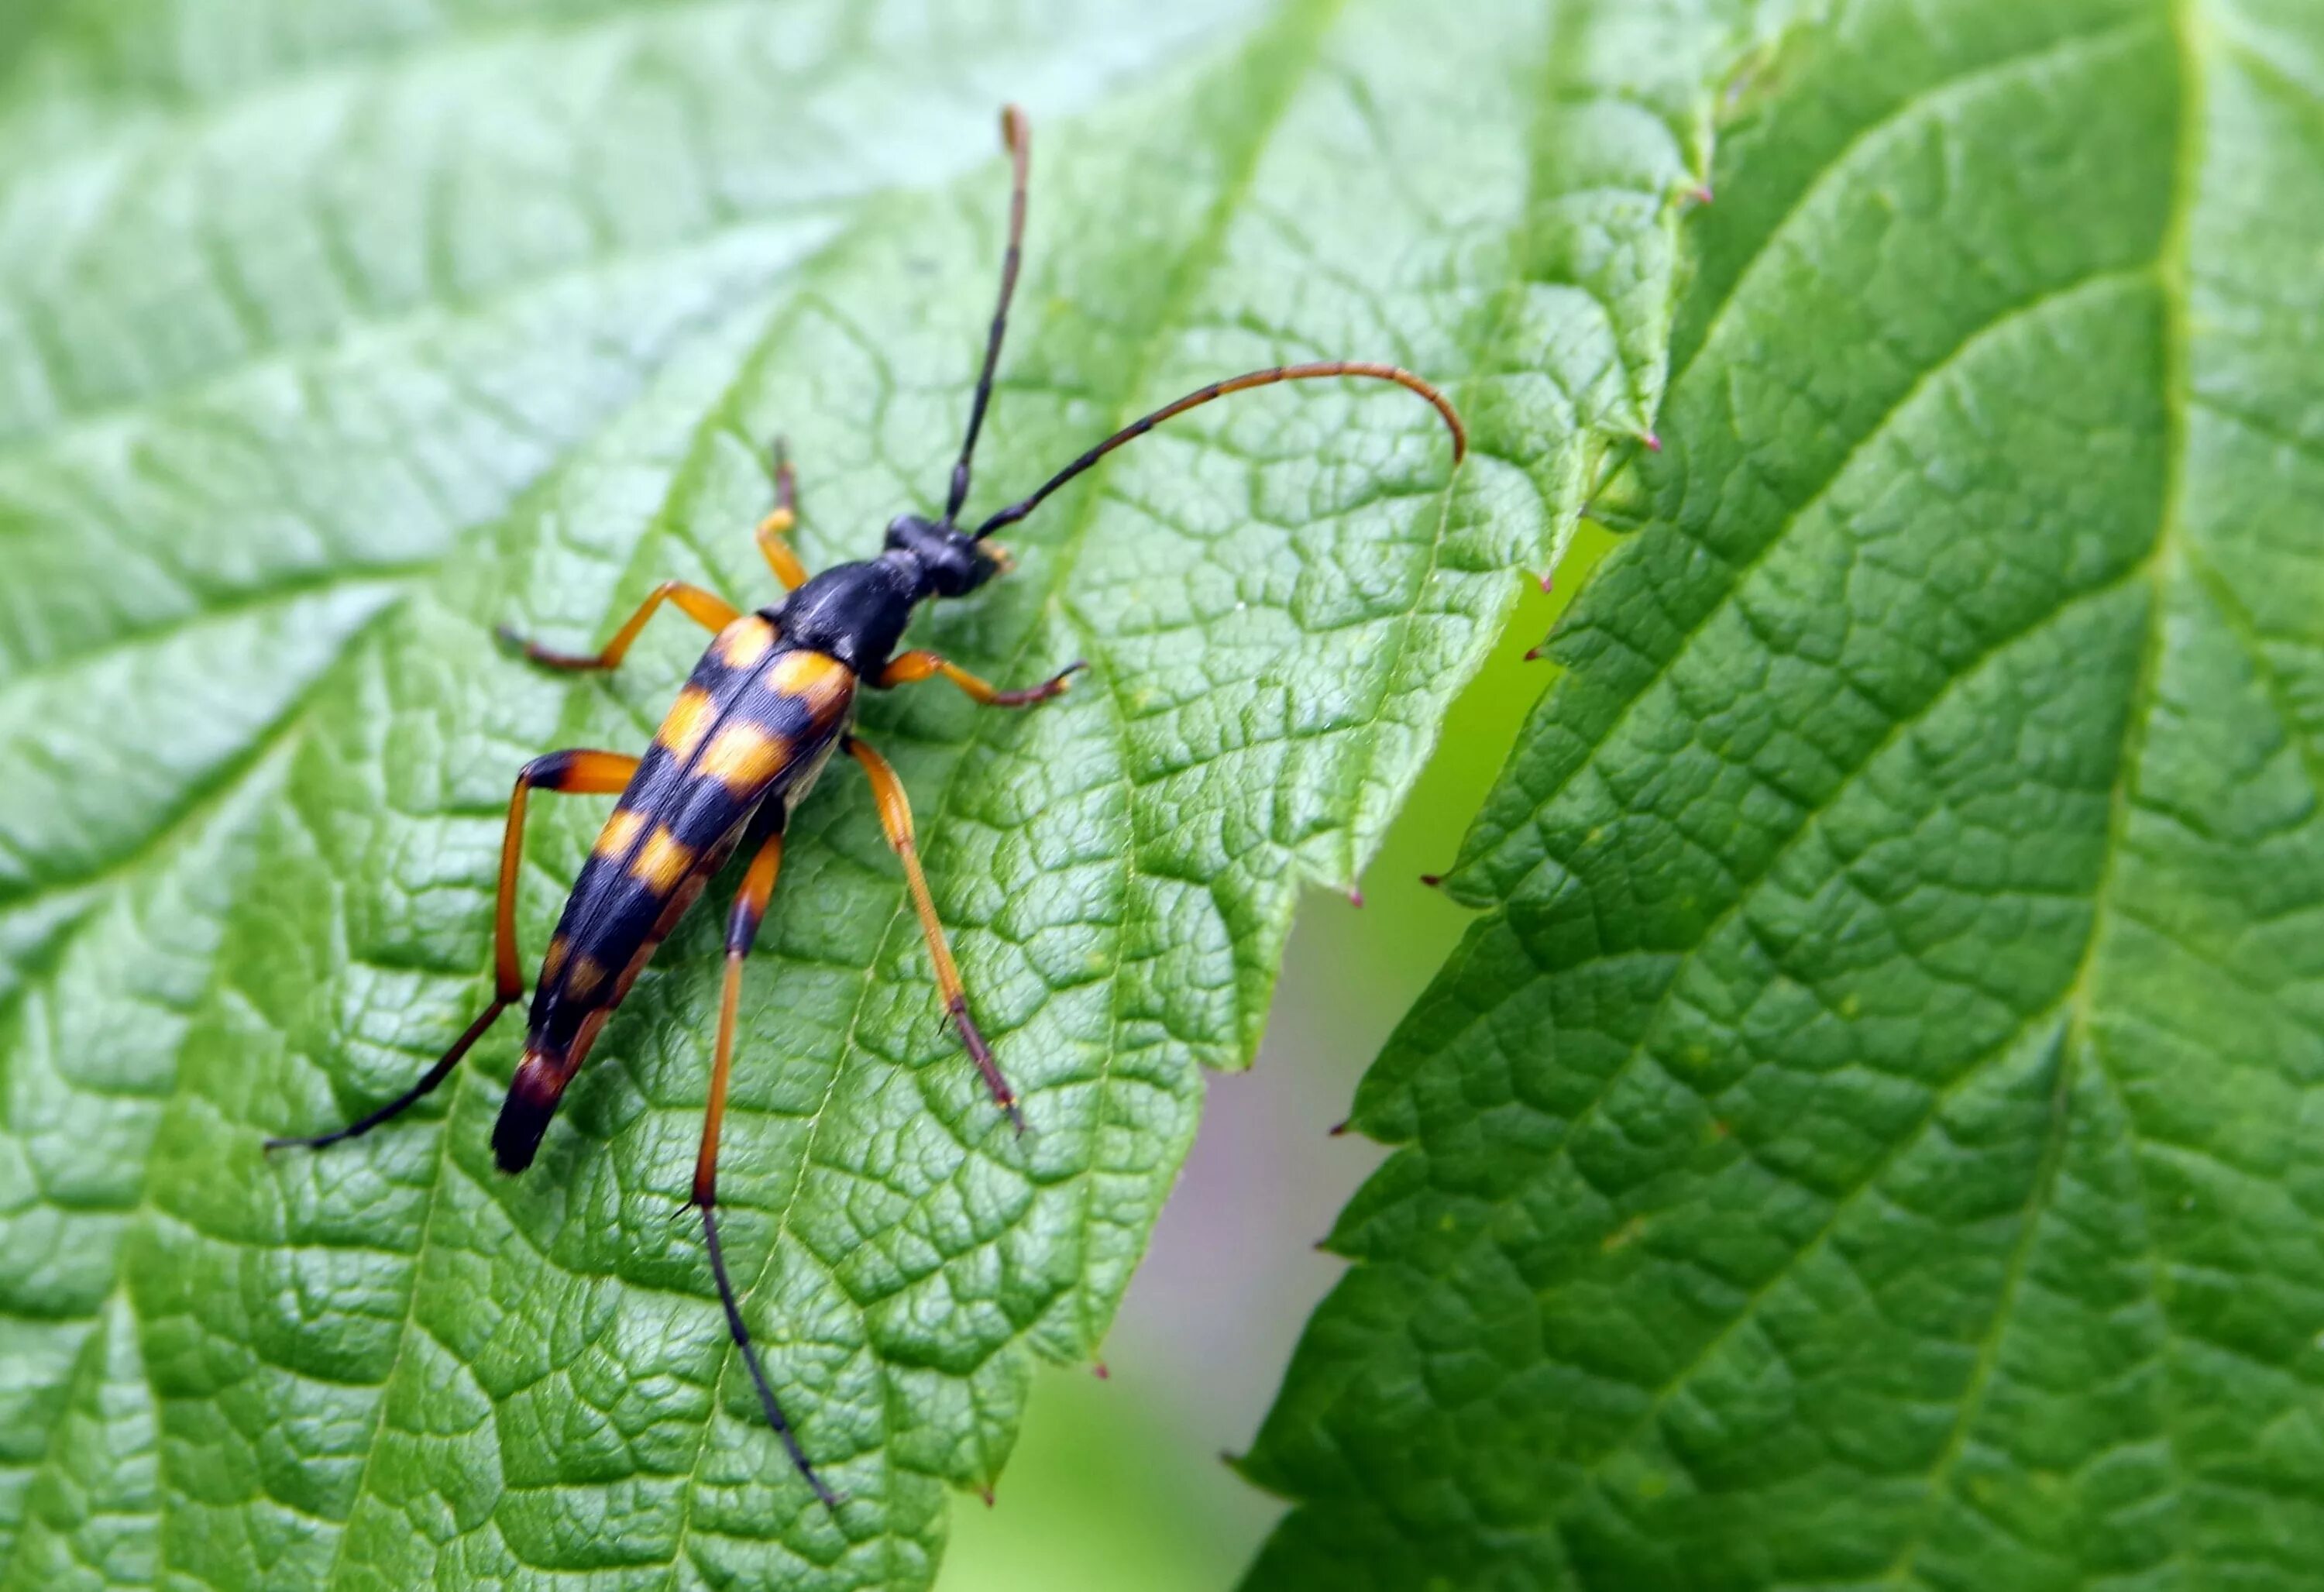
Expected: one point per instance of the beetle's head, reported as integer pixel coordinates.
(951, 563)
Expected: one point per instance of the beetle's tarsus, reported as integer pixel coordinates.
(741, 1335)
(1054, 685)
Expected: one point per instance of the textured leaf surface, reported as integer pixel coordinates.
(331, 336)
(1872, 1139)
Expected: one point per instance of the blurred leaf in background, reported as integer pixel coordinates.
(332, 336)
(1873, 1138)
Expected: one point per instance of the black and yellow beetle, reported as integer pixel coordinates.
(761, 713)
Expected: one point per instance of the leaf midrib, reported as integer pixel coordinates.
(2166, 558)
(1866, 140)
(2157, 568)
(2164, 561)
(1463, 883)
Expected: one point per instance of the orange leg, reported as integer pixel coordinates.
(777, 526)
(911, 667)
(574, 773)
(741, 929)
(896, 819)
(707, 609)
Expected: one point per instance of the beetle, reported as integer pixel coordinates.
(772, 701)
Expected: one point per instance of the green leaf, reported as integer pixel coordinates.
(332, 336)
(1872, 1136)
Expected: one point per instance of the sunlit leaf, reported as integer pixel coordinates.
(1872, 1139)
(332, 336)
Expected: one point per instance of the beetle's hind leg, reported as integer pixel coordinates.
(741, 1335)
(775, 529)
(742, 931)
(574, 773)
(707, 609)
(896, 819)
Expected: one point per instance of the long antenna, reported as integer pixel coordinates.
(1195, 399)
(1018, 139)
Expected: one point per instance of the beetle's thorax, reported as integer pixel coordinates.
(855, 613)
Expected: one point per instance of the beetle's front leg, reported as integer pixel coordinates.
(911, 666)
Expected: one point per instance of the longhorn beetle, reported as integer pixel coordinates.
(761, 713)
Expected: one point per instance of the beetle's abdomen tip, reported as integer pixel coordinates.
(533, 1093)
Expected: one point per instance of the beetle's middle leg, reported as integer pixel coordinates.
(573, 773)
(896, 819)
(706, 609)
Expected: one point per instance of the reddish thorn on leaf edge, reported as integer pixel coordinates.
(1339, 1127)
(1654, 443)
(1097, 1370)
(987, 1492)
(1355, 898)
(1432, 880)
(1549, 580)
(1533, 654)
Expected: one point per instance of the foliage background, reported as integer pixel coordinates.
(334, 336)
(1873, 1115)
